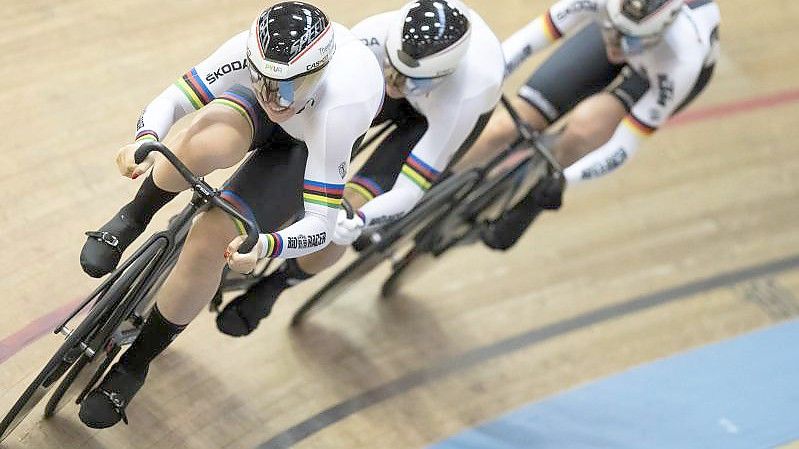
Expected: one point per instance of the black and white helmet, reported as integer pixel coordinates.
(429, 38)
(289, 46)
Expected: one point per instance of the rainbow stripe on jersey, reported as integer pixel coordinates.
(240, 104)
(146, 135)
(274, 244)
(422, 174)
(240, 205)
(366, 187)
(323, 194)
(194, 89)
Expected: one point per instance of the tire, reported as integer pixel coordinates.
(58, 364)
(80, 378)
(457, 227)
(436, 204)
(402, 269)
(70, 351)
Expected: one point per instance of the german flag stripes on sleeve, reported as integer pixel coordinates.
(548, 25)
(422, 174)
(638, 127)
(566, 16)
(322, 194)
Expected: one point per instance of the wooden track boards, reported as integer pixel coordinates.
(703, 198)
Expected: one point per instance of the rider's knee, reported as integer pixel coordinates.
(584, 132)
(212, 229)
(530, 115)
(215, 138)
(595, 119)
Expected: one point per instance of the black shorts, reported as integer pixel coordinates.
(268, 185)
(380, 171)
(579, 69)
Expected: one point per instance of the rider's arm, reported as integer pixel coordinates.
(196, 88)
(328, 160)
(562, 18)
(608, 157)
(666, 93)
(449, 125)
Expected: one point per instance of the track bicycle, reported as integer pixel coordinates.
(115, 310)
(450, 214)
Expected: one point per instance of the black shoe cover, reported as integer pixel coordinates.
(242, 315)
(104, 248)
(105, 405)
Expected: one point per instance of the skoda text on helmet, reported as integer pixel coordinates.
(288, 48)
(429, 38)
(641, 22)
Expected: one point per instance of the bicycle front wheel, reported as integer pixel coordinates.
(436, 204)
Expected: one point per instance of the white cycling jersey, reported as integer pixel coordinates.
(330, 123)
(672, 66)
(452, 110)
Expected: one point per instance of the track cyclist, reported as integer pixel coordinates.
(443, 70)
(301, 92)
(627, 67)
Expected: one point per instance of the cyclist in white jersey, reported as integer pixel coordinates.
(443, 68)
(625, 67)
(298, 90)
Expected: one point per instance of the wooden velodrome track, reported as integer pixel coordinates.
(693, 242)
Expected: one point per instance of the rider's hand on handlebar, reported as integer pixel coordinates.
(242, 263)
(347, 229)
(127, 165)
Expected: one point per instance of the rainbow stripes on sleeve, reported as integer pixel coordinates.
(240, 104)
(240, 205)
(550, 29)
(274, 244)
(366, 187)
(638, 127)
(194, 89)
(322, 194)
(419, 172)
(146, 135)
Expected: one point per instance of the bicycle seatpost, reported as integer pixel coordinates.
(203, 190)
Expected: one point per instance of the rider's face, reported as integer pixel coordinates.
(401, 86)
(613, 48)
(268, 95)
(395, 82)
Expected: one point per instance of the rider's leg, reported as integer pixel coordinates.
(590, 125)
(500, 132)
(184, 294)
(218, 137)
(242, 315)
(576, 71)
(196, 275)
